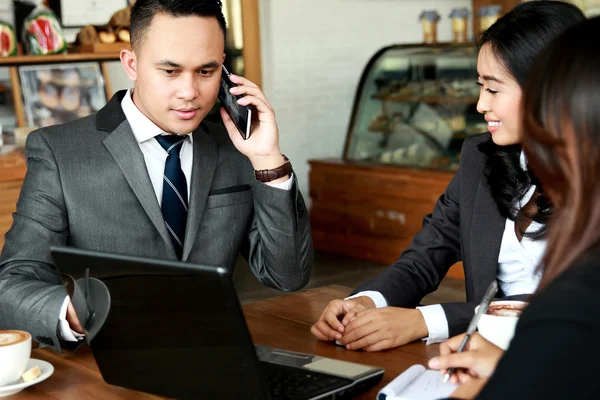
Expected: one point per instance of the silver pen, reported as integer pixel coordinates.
(483, 306)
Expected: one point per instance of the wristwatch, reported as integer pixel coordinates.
(268, 175)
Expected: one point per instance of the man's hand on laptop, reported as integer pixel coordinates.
(72, 319)
(337, 315)
(384, 328)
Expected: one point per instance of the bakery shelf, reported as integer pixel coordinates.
(427, 99)
(57, 58)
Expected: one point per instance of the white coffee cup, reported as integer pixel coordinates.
(500, 329)
(15, 350)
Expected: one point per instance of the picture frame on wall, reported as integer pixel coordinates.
(591, 8)
(59, 93)
(77, 13)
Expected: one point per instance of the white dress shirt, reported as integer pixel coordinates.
(155, 158)
(517, 271)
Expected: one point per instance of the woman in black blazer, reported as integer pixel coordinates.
(479, 220)
(556, 348)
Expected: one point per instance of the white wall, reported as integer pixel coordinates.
(118, 78)
(313, 55)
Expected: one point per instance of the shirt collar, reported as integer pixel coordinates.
(143, 128)
(523, 161)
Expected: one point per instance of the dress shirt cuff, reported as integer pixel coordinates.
(287, 185)
(64, 330)
(437, 323)
(377, 297)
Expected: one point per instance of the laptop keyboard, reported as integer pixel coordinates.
(298, 384)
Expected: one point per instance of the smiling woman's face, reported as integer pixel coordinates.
(499, 98)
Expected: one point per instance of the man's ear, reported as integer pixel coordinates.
(129, 61)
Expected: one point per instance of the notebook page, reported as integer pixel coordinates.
(428, 386)
(395, 387)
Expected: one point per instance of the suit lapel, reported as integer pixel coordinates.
(127, 154)
(486, 238)
(203, 171)
(123, 147)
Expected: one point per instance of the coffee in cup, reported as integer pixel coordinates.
(488, 15)
(459, 18)
(429, 20)
(506, 310)
(15, 350)
(498, 324)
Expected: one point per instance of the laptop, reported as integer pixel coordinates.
(177, 329)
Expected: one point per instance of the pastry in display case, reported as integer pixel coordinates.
(58, 93)
(415, 106)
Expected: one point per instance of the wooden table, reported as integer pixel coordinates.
(282, 322)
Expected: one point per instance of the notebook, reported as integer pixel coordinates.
(417, 383)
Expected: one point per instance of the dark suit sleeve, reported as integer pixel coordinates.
(31, 293)
(555, 351)
(279, 246)
(420, 268)
(548, 360)
(459, 316)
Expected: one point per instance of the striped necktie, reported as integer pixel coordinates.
(174, 197)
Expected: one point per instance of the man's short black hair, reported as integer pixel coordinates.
(143, 11)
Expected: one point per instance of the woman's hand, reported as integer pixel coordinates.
(383, 328)
(329, 327)
(470, 389)
(478, 360)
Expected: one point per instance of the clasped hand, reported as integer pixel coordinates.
(357, 324)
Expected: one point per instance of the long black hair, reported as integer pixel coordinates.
(516, 40)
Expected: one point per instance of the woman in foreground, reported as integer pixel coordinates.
(556, 348)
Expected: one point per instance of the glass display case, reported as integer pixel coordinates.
(415, 105)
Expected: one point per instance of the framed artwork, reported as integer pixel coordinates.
(58, 93)
(591, 8)
(78, 13)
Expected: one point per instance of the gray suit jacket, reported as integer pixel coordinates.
(87, 186)
(466, 226)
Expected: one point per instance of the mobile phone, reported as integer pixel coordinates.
(240, 115)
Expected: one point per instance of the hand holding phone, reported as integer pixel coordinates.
(240, 115)
(262, 149)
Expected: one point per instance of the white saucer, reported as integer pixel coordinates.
(46, 368)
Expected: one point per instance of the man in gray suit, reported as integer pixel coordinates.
(121, 181)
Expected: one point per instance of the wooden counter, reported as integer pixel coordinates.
(371, 212)
(12, 172)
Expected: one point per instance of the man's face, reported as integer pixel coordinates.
(178, 71)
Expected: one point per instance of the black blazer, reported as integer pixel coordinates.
(555, 351)
(465, 226)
